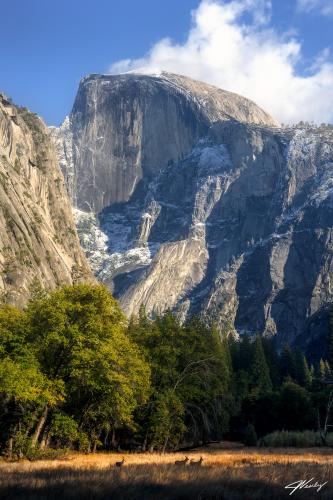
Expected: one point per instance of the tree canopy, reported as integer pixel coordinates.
(74, 372)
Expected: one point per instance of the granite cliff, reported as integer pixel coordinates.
(39, 246)
(192, 198)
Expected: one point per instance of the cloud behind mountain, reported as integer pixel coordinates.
(235, 46)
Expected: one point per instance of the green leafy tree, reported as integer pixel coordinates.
(167, 420)
(191, 371)
(24, 388)
(64, 429)
(78, 334)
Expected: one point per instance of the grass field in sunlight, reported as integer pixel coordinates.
(244, 473)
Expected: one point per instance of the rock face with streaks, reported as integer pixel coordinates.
(192, 198)
(38, 240)
(126, 128)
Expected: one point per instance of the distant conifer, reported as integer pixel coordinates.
(259, 373)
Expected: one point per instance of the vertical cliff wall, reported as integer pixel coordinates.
(38, 239)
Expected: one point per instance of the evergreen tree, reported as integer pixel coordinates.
(272, 359)
(245, 353)
(307, 375)
(321, 373)
(234, 349)
(287, 363)
(330, 340)
(259, 372)
(312, 373)
(328, 371)
(302, 371)
(296, 412)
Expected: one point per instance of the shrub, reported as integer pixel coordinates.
(297, 439)
(64, 429)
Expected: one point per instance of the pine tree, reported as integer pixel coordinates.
(328, 371)
(143, 319)
(259, 372)
(287, 363)
(312, 373)
(302, 371)
(330, 340)
(245, 353)
(307, 375)
(321, 369)
(272, 359)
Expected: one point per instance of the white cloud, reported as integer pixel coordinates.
(324, 7)
(248, 57)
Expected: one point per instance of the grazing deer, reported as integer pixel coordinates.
(196, 463)
(121, 463)
(182, 462)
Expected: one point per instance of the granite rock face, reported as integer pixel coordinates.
(39, 245)
(191, 198)
(126, 128)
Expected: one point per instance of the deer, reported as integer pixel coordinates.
(182, 462)
(196, 463)
(121, 463)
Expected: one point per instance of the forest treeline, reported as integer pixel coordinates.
(74, 373)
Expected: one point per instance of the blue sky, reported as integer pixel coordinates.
(47, 46)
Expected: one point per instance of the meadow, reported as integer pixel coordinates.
(241, 473)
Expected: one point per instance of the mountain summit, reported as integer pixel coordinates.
(127, 127)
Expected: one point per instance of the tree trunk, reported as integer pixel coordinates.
(322, 432)
(40, 425)
(95, 442)
(10, 448)
(165, 444)
(45, 439)
(145, 441)
(323, 437)
(113, 438)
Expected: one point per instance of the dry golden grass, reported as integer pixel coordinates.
(225, 474)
